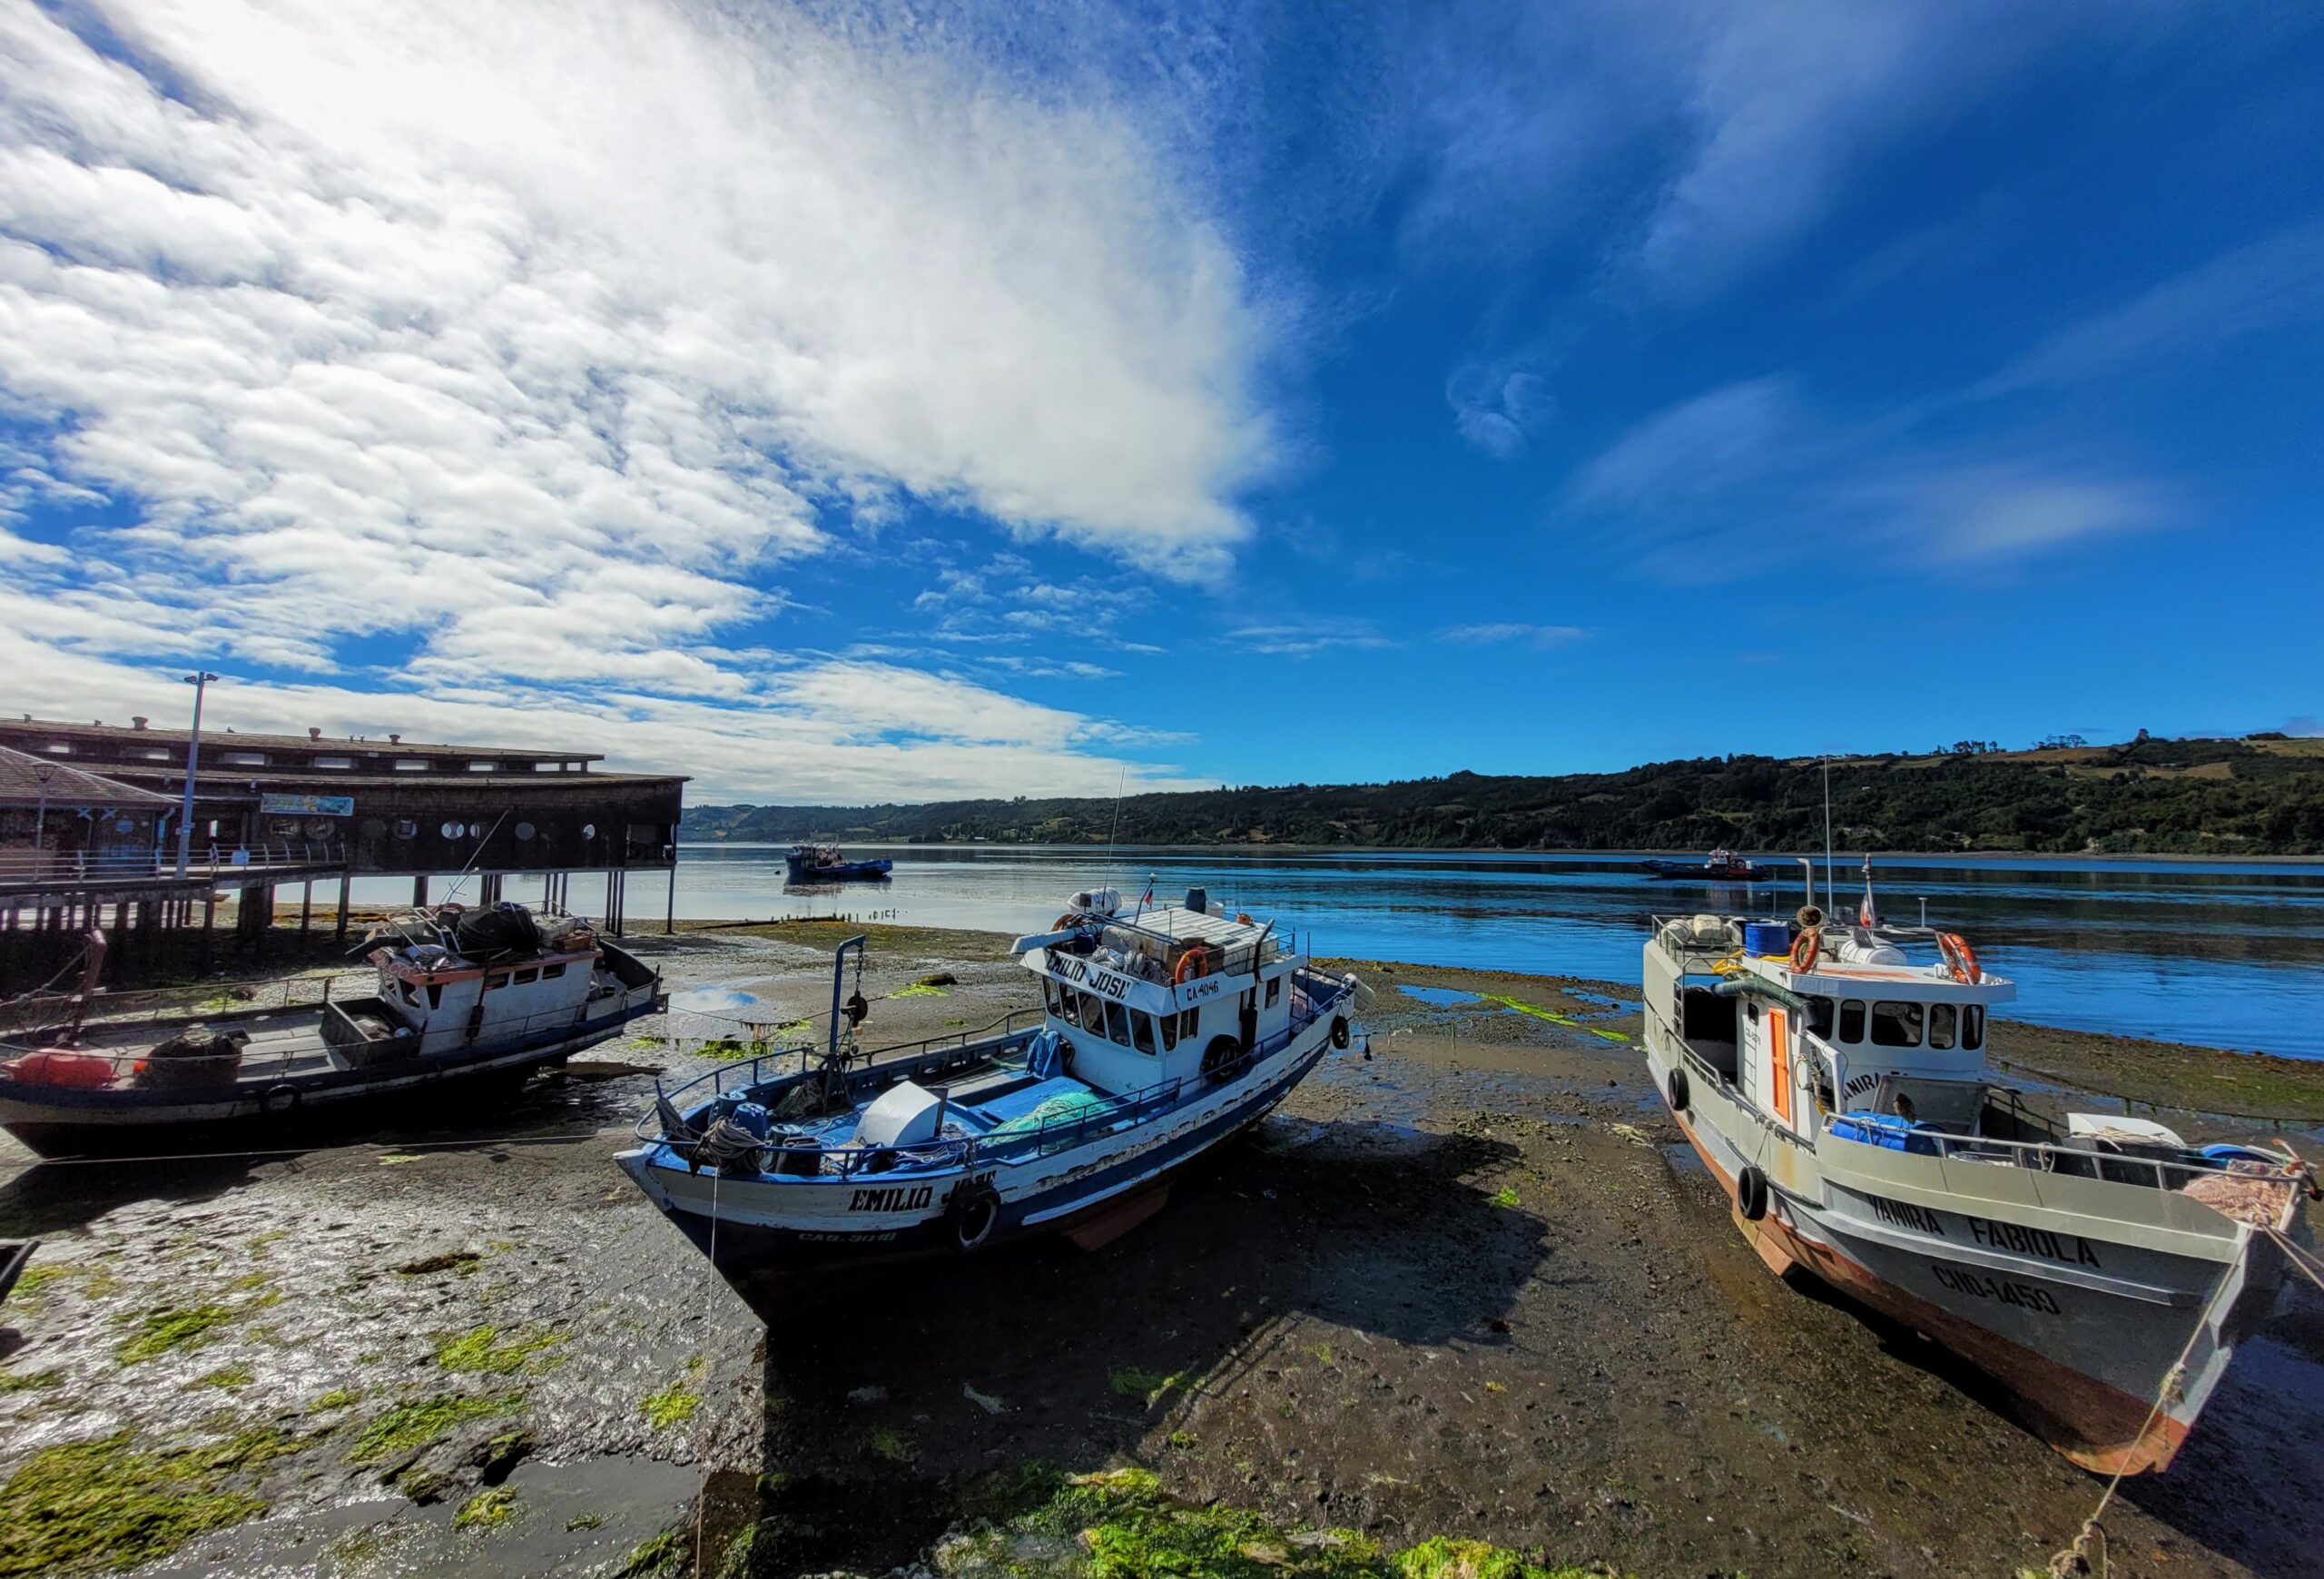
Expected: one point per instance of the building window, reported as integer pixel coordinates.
(451, 830)
(156, 753)
(484, 767)
(60, 748)
(243, 758)
(333, 762)
(412, 764)
(525, 831)
(589, 830)
(407, 829)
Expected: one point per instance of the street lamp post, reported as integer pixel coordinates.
(198, 680)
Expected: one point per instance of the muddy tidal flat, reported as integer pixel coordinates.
(1466, 1304)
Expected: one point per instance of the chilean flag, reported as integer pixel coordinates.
(1864, 914)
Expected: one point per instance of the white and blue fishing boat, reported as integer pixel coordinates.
(1161, 1033)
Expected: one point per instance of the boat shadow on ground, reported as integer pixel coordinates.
(2241, 1485)
(888, 1400)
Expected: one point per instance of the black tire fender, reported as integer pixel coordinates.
(1220, 1057)
(1339, 1032)
(1751, 1194)
(1675, 1088)
(973, 1211)
(282, 1101)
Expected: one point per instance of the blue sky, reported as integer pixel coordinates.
(890, 403)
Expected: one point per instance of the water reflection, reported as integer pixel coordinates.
(2229, 954)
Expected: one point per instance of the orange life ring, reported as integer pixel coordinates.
(1805, 950)
(1194, 962)
(1960, 958)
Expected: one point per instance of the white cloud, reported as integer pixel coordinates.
(1305, 636)
(530, 341)
(1542, 636)
(2272, 284)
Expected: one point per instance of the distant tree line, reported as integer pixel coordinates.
(2228, 797)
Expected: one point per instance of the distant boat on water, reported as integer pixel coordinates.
(1718, 867)
(824, 864)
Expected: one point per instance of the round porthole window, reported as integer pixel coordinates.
(475, 830)
(407, 829)
(373, 827)
(451, 830)
(525, 831)
(589, 830)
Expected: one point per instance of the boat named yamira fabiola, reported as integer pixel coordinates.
(463, 997)
(1835, 1085)
(1161, 1033)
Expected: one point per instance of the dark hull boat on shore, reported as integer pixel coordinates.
(464, 999)
(823, 864)
(2103, 1271)
(1160, 1037)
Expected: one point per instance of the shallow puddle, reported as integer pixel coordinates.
(713, 1000)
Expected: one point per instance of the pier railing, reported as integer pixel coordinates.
(21, 867)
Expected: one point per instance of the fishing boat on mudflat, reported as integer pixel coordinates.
(2102, 1270)
(824, 864)
(1162, 1032)
(464, 997)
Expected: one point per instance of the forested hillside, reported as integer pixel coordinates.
(2260, 796)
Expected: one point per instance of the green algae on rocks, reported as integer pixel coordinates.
(413, 1424)
(112, 1504)
(673, 1406)
(160, 1331)
(1120, 1525)
(487, 1510)
(480, 1350)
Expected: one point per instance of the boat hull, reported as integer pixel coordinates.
(846, 872)
(57, 1121)
(2086, 1334)
(756, 1228)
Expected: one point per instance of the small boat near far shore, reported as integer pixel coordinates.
(824, 864)
(1160, 1035)
(1718, 867)
(464, 997)
(2102, 1269)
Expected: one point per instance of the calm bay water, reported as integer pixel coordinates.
(2226, 954)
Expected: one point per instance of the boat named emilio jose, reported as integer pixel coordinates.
(462, 996)
(1162, 1033)
(1837, 1088)
(824, 864)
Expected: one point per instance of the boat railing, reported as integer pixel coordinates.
(163, 1006)
(791, 1063)
(2046, 1157)
(1057, 1133)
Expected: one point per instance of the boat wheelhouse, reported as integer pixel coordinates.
(1160, 1035)
(460, 995)
(1837, 1088)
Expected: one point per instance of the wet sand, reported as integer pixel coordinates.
(1476, 1287)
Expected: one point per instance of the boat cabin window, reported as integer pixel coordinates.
(1973, 1026)
(1275, 992)
(526, 975)
(1141, 1029)
(1093, 1014)
(1117, 1024)
(435, 994)
(1187, 1023)
(497, 979)
(1941, 1018)
(1896, 1024)
(551, 973)
(1851, 1021)
(1169, 1031)
(1820, 1017)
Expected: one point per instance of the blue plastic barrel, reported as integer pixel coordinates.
(1766, 938)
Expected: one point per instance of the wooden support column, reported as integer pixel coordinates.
(420, 891)
(344, 884)
(306, 909)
